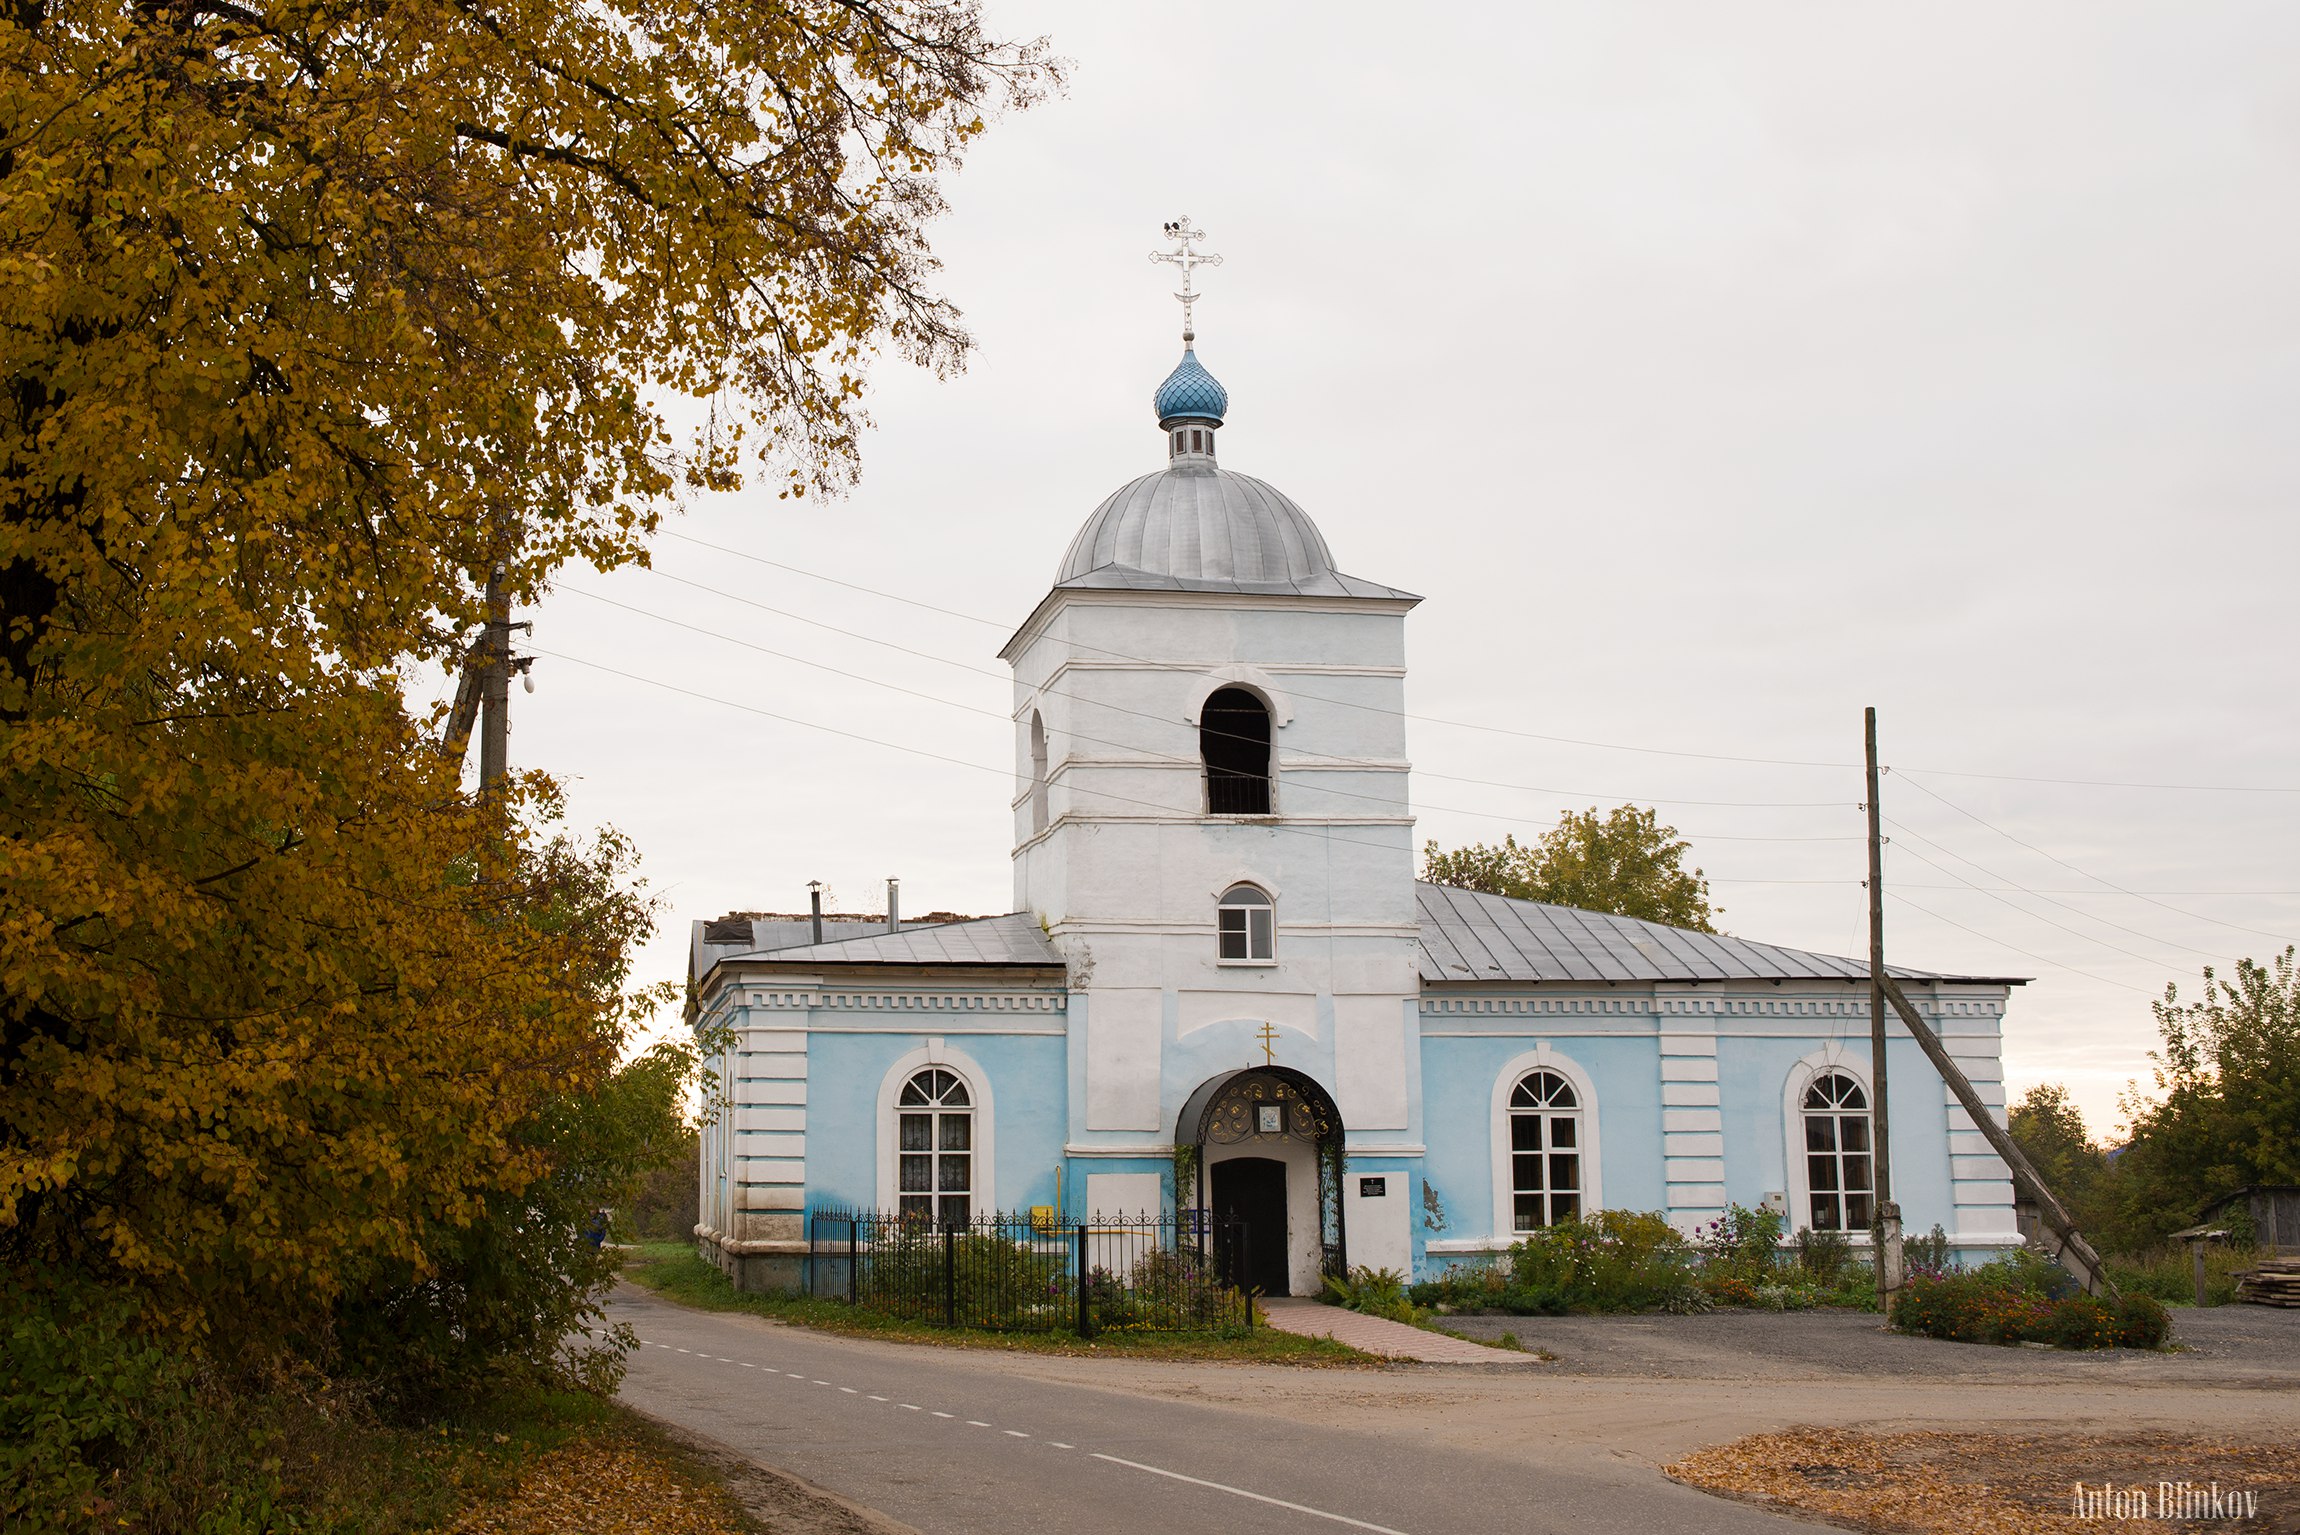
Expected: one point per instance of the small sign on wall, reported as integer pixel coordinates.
(1373, 1188)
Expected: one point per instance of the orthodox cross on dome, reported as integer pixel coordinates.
(1269, 1038)
(1186, 256)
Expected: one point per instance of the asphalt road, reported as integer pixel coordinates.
(954, 1444)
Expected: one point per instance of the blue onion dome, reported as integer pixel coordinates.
(1190, 391)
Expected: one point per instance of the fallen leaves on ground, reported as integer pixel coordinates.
(605, 1484)
(1940, 1483)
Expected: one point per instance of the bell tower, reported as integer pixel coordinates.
(1210, 809)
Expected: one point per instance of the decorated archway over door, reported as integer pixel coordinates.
(1267, 1106)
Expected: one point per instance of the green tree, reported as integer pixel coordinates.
(2050, 1131)
(1624, 862)
(2226, 1112)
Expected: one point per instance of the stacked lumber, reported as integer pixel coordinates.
(2274, 1282)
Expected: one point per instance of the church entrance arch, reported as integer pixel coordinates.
(1291, 1204)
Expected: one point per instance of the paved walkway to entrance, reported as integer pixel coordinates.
(1379, 1335)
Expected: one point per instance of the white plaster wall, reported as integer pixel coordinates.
(1123, 1029)
(1130, 869)
(1123, 1194)
(1379, 1230)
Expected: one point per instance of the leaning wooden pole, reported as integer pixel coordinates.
(2074, 1253)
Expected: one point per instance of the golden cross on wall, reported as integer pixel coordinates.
(1185, 256)
(1269, 1039)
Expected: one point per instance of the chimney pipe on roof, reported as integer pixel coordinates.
(893, 905)
(815, 894)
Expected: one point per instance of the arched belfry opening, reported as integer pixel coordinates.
(1037, 773)
(1262, 1149)
(1234, 739)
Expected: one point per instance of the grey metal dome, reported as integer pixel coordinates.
(1197, 527)
(1196, 522)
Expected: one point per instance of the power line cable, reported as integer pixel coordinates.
(1938, 847)
(1345, 703)
(1007, 677)
(1323, 834)
(2195, 916)
(1892, 894)
(2024, 911)
(1125, 746)
(1431, 719)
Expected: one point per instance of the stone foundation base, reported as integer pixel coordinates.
(766, 1265)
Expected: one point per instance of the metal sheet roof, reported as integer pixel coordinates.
(1014, 939)
(1467, 935)
(1199, 528)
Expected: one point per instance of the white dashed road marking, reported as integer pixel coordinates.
(1015, 1433)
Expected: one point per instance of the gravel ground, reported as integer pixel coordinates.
(2256, 1346)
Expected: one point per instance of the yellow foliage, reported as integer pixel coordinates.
(310, 314)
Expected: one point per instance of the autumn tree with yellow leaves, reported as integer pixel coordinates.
(311, 314)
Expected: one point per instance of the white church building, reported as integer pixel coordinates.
(1218, 942)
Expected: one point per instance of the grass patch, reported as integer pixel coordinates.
(2169, 1273)
(673, 1271)
(311, 1456)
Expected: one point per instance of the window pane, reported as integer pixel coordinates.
(1565, 1172)
(1820, 1132)
(1523, 1097)
(1258, 923)
(912, 1094)
(958, 1132)
(1856, 1174)
(954, 1093)
(1857, 1212)
(1853, 1132)
(1560, 1091)
(1527, 1172)
(917, 1174)
(955, 1208)
(953, 1171)
(1525, 1132)
(1849, 1094)
(1821, 1173)
(918, 1132)
(1529, 1212)
(1825, 1213)
(1564, 1207)
(919, 1206)
(1231, 923)
(1562, 1130)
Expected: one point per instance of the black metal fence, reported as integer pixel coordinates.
(1038, 1272)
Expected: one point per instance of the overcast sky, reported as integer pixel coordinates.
(1713, 371)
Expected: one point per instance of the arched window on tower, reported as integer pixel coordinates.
(1837, 1166)
(1245, 927)
(1037, 773)
(1234, 738)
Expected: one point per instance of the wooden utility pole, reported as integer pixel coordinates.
(1885, 1234)
(495, 685)
(2068, 1245)
(483, 694)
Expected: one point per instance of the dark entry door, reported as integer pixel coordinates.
(1251, 1191)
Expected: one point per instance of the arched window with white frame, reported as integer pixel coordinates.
(935, 1143)
(1545, 1151)
(1840, 1178)
(1245, 927)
